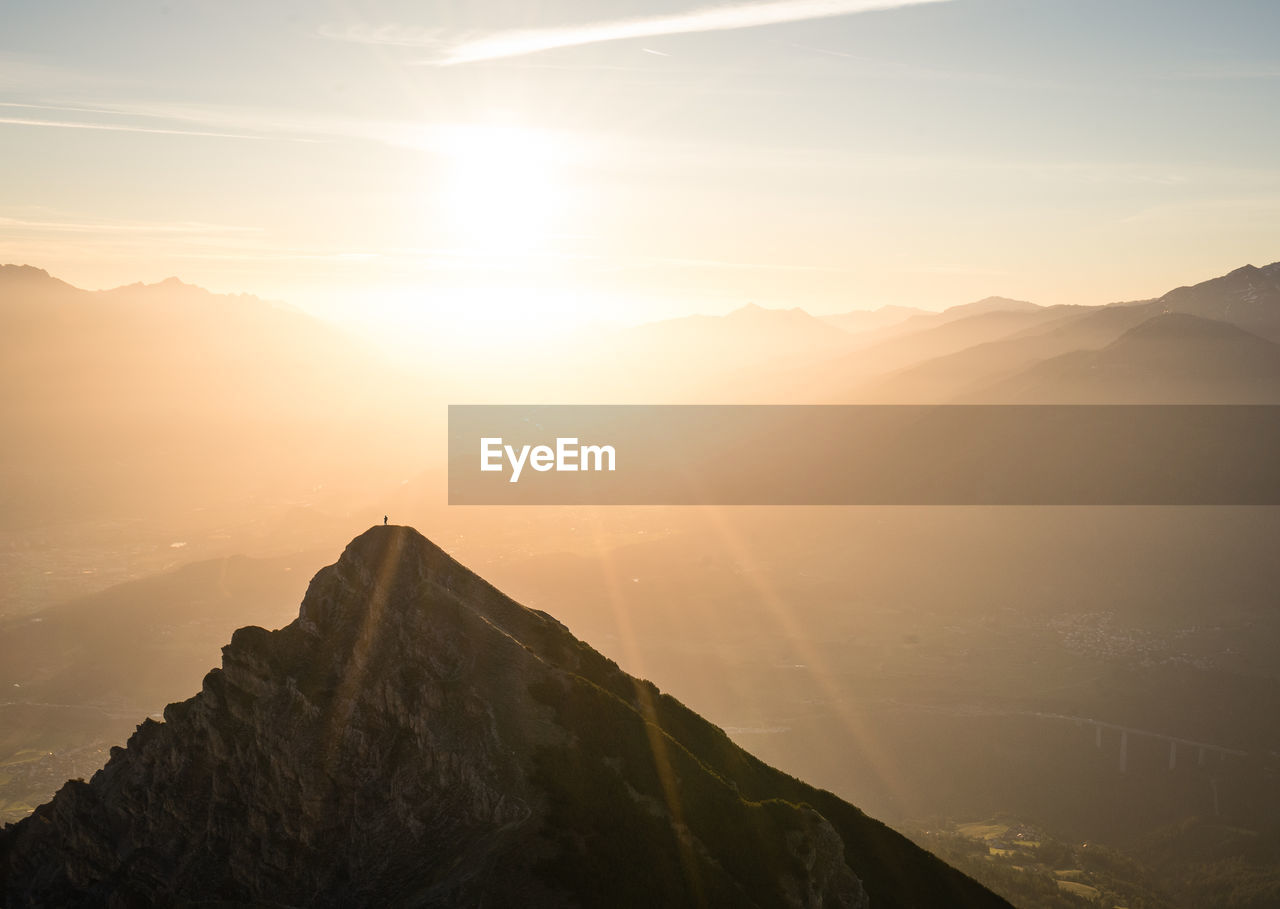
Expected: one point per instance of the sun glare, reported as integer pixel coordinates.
(464, 321)
(502, 191)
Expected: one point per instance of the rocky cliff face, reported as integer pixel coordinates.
(415, 738)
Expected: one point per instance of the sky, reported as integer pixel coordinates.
(508, 166)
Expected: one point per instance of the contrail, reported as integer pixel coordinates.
(518, 42)
(708, 19)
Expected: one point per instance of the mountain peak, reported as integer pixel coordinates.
(416, 738)
(1248, 297)
(29, 286)
(169, 284)
(394, 567)
(25, 277)
(992, 304)
(23, 273)
(394, 543)
(996, 300)
(755, 310)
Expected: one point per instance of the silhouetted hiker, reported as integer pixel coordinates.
(384, 520)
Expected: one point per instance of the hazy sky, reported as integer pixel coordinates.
(623, 160)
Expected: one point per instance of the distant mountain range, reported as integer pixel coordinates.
(919, 320)
(748, 332)
(149, 351)
(966, 353)
(415, 738)
(858, 320)
(114, 398)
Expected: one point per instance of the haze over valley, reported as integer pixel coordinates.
(925, 663)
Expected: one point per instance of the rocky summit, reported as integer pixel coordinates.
(416, 738)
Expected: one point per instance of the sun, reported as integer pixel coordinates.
(502, 190)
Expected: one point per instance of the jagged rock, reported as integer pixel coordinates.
(415, 738)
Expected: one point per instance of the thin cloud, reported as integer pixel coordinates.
(517, 43)
(120, 128)
(213, 122)
(225, 123)
(139, 227)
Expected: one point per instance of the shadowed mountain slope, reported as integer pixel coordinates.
(1248, 297)
(848, 377)
(945, 378)
(1172, 358)
(417, 738)
(140, 644)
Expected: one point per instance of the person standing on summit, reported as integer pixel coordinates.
(384, 520)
